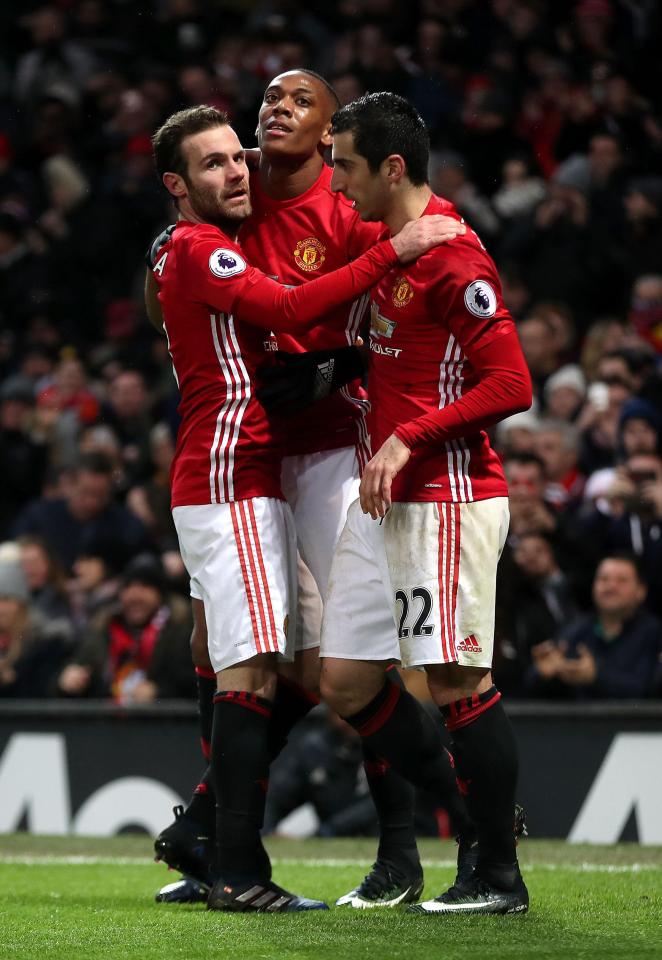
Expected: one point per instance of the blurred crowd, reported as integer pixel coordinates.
(546, 126)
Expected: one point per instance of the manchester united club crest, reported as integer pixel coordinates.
(309, 254)
(402, 292)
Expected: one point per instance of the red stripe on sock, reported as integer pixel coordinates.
(379, 719)
(201, 788)
(461, 714)
(295, 687)
(205, 746)
(243, 699)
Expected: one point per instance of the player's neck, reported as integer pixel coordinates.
(229, 227)
(407, 204)
(286, 180)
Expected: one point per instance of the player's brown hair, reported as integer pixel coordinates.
(167, 141)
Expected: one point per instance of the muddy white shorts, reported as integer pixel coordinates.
(428, 572)
(241, 558)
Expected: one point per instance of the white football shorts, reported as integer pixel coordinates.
(241, 558)
(419, 587)
(319, 488)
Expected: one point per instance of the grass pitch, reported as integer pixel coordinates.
(84, 899)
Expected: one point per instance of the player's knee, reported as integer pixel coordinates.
(337, 689)
(451, 681)
(332, 689)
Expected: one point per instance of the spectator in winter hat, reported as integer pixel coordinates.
(640, 427)
(564, 392)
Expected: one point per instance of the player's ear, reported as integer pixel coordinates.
(394, 167)
(326, 139)
(174, 184)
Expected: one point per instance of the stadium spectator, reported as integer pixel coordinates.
(646, 309)
(94, 583)
(449, 178)
(640, 427)
(138, 651)
(45, 578)
(557, 444)
(535, 602)
(32, 648)
(24, 455)
(613, 653)
(86, 512)
(151, 500)
(634, 521)
(564, 392)
(529, 513)
(541, 349)
(128, 414)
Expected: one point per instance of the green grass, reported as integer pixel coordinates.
(83, 898)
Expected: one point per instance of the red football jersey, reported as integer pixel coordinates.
(426, 318)
(216, 309)
(295, 241)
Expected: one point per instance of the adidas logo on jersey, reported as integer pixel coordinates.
(469, 645)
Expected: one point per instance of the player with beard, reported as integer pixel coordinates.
(301, 229)
(445, 364)
(234, 529)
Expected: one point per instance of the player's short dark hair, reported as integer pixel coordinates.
(335, 99)
(383, 124)
(167, 141)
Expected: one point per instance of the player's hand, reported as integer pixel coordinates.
(375, 489)
(419, 236)
(295, 381)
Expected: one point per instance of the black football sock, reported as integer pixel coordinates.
(202, 805)
(393, 798)
(485, 755)
(396, 727)
(240, 775)
(291, 704)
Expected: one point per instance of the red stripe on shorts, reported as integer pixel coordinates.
(441, 579)
(245, 575)
(252, 558)
(265, 581)
(457, 529)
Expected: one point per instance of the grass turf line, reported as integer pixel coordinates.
(88, 911)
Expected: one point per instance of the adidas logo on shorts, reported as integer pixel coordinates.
(470, 645)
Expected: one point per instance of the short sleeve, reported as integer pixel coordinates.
(466, 291)
(217, 270)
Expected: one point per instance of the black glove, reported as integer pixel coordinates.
(152, 254)
(297, 380)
